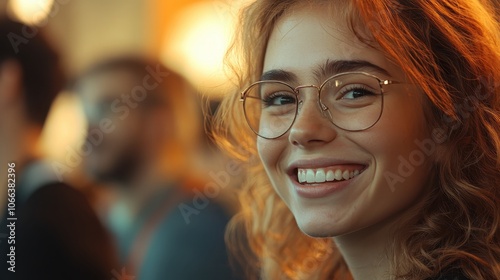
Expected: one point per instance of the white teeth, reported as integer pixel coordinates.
(302, 175)
(345, 175)
(338, 175)
(330, 176)
(320, 175)
(310, 176)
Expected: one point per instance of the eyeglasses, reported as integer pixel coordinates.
(352, 101)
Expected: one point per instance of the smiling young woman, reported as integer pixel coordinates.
(373, 139)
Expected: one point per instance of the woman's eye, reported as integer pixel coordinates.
(278, 99)
(356, 93)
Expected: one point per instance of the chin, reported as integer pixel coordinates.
(318, 232)
(320, 229)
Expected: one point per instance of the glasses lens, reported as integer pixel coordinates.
(270, 108)
(354, 100)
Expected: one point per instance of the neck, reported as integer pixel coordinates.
(366, 251)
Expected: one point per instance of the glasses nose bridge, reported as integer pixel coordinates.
(297, 89)
(322, 107)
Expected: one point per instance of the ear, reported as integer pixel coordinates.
(10, 82)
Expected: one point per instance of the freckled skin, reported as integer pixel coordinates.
(299, 43)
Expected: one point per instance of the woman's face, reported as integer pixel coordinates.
(392, 157)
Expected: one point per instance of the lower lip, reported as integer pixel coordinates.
(320, 190)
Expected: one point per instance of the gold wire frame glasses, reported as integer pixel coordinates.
(352, 101)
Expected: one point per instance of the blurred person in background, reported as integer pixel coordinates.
(57, 234)
(138, 117)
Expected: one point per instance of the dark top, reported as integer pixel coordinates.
(57, 236)
(186, 242)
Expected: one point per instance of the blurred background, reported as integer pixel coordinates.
(190, 36)
(147, 186)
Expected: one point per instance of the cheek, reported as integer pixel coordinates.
(270, 153)
(401, 160)
(396, 178)
(402, 124)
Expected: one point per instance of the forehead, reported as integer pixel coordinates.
(107, 85)
(308, 36)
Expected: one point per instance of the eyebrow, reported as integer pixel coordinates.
(279, 75)
(332, 67)
(329, 68)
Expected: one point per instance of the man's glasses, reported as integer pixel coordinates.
(352, 101)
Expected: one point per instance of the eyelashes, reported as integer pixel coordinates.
(350, 92)
(278, 98)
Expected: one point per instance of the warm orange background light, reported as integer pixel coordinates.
(196, 43)
(190, 36)
(31, 11)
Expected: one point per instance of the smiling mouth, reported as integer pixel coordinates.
(331, 174)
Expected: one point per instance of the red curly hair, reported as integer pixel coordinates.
(451, 49)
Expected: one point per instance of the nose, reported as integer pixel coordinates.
(312, 126)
